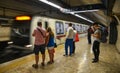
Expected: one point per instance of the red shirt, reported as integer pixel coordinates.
(39, 38)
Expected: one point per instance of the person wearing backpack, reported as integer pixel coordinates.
(96, 43)
(104, 34)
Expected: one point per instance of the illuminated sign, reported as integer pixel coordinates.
(23, 18)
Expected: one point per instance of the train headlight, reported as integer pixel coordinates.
(28, 46)
(11, 42)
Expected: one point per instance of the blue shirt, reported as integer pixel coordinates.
(50, 42)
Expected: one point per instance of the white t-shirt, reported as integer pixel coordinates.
(70, 33)
(75, 32)
(97, 32)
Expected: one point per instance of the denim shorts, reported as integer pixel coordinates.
(40, 48)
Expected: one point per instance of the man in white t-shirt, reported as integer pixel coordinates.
(69, 40)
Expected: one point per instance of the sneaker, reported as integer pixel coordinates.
(65, 55)
(94, 61)
(35, 66)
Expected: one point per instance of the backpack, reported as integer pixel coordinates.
(103, 34)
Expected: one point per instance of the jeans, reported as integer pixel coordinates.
(96, 50)
(69, 43)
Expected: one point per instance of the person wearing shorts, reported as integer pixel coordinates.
(50, 44)
(39, 44)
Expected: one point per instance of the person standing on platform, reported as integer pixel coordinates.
(69, 40)
(96, 43)
(75, 39)
(39, 45)
(50, 44)
(89, 35)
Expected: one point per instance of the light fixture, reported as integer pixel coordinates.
(50, 3)
(65, 10)
(11, 42)
(23, 18)
(28, 46)
(82, 17)
(81, 11)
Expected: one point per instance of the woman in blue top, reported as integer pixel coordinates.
(50, 44)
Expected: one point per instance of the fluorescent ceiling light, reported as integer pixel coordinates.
(80, 11)
(50, 3)
(64, 10)
(82, 17)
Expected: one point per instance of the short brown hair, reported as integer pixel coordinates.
(70, 24)
(95, 23)
(39, 23)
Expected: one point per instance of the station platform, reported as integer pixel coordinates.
(80, 62)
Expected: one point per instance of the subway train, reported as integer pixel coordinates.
(4, 32)
(22, 29)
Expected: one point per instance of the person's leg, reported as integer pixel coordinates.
(94, 49)
(98, 50)
(53, 51)
(89, 38)
(42, 49)
(66, 47)
(50, 55)
(36, 59)
(43, 60)
(73, 47)
(36, 51)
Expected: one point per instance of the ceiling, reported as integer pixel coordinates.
(12, 8)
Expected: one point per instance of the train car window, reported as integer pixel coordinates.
(21, 28)
(59, 28)
(80, 28)
(4, 23)
(46, 24)
(66, 26)
(20, 33)
(73, 25)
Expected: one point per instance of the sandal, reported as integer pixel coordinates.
(42, 64)
(35, 66)
(49, 62)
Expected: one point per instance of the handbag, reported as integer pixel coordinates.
(55, 45)
(76, 37)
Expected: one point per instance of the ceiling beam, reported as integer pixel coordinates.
(87, 7)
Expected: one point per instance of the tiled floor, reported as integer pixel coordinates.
(78, 63)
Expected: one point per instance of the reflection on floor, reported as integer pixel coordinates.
(8, 54)
(78, 63)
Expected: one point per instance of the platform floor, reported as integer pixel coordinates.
(78, 63)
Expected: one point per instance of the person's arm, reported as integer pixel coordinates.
(47, 38)
(33, 33)
(97, 35)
